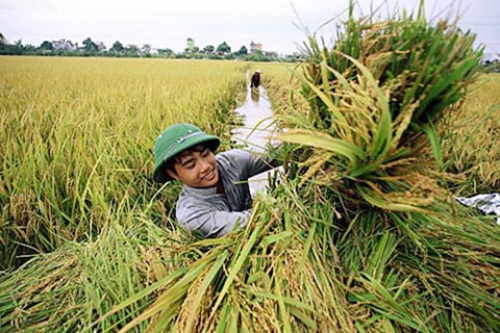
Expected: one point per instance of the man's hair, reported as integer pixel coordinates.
(177, 158)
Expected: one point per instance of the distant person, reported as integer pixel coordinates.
(255, 81)
(215, 195)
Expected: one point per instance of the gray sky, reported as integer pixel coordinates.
(163, 23)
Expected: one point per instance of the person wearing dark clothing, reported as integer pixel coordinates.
(255, 81)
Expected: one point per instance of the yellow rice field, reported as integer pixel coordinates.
(77, 134)
(77, 137)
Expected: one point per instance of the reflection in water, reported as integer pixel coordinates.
(257, 119)
(257, 125)
(255, 94)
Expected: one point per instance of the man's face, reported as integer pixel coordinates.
(196, 167)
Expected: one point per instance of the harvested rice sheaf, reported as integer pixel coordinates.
(375, 99)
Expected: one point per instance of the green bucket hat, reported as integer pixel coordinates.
(176, 139)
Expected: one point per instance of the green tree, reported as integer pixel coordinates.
(46, 46)
(166, 51)
(146, 50)
(117, 47)
(224, 48)
(243, 50)
(190, 45)
(209, 49)
(30, 48)
(257, 56)
(132, 50)
(89, 45)
(19, 46)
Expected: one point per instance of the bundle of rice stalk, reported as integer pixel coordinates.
(260, 279)
(375, 99)
(293, 270)
(421, 68)
(373, 96)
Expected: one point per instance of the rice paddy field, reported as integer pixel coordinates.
(361, 235)
(77, 138)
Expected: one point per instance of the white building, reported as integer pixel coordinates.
(64, 45)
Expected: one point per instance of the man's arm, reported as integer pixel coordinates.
(213, 223)
(252, 162)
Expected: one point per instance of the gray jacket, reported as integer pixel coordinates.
(212, 214)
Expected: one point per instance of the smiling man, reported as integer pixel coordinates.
(215, 196)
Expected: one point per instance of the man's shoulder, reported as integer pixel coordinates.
(233, 153)
(235, 157)
(195, 203)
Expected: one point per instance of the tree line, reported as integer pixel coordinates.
(88, 48)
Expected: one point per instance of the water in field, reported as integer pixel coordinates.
(257, 118)
(256, 115)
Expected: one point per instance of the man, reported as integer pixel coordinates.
(255, 81)
(215, 196)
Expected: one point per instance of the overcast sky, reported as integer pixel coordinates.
(163, 23)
